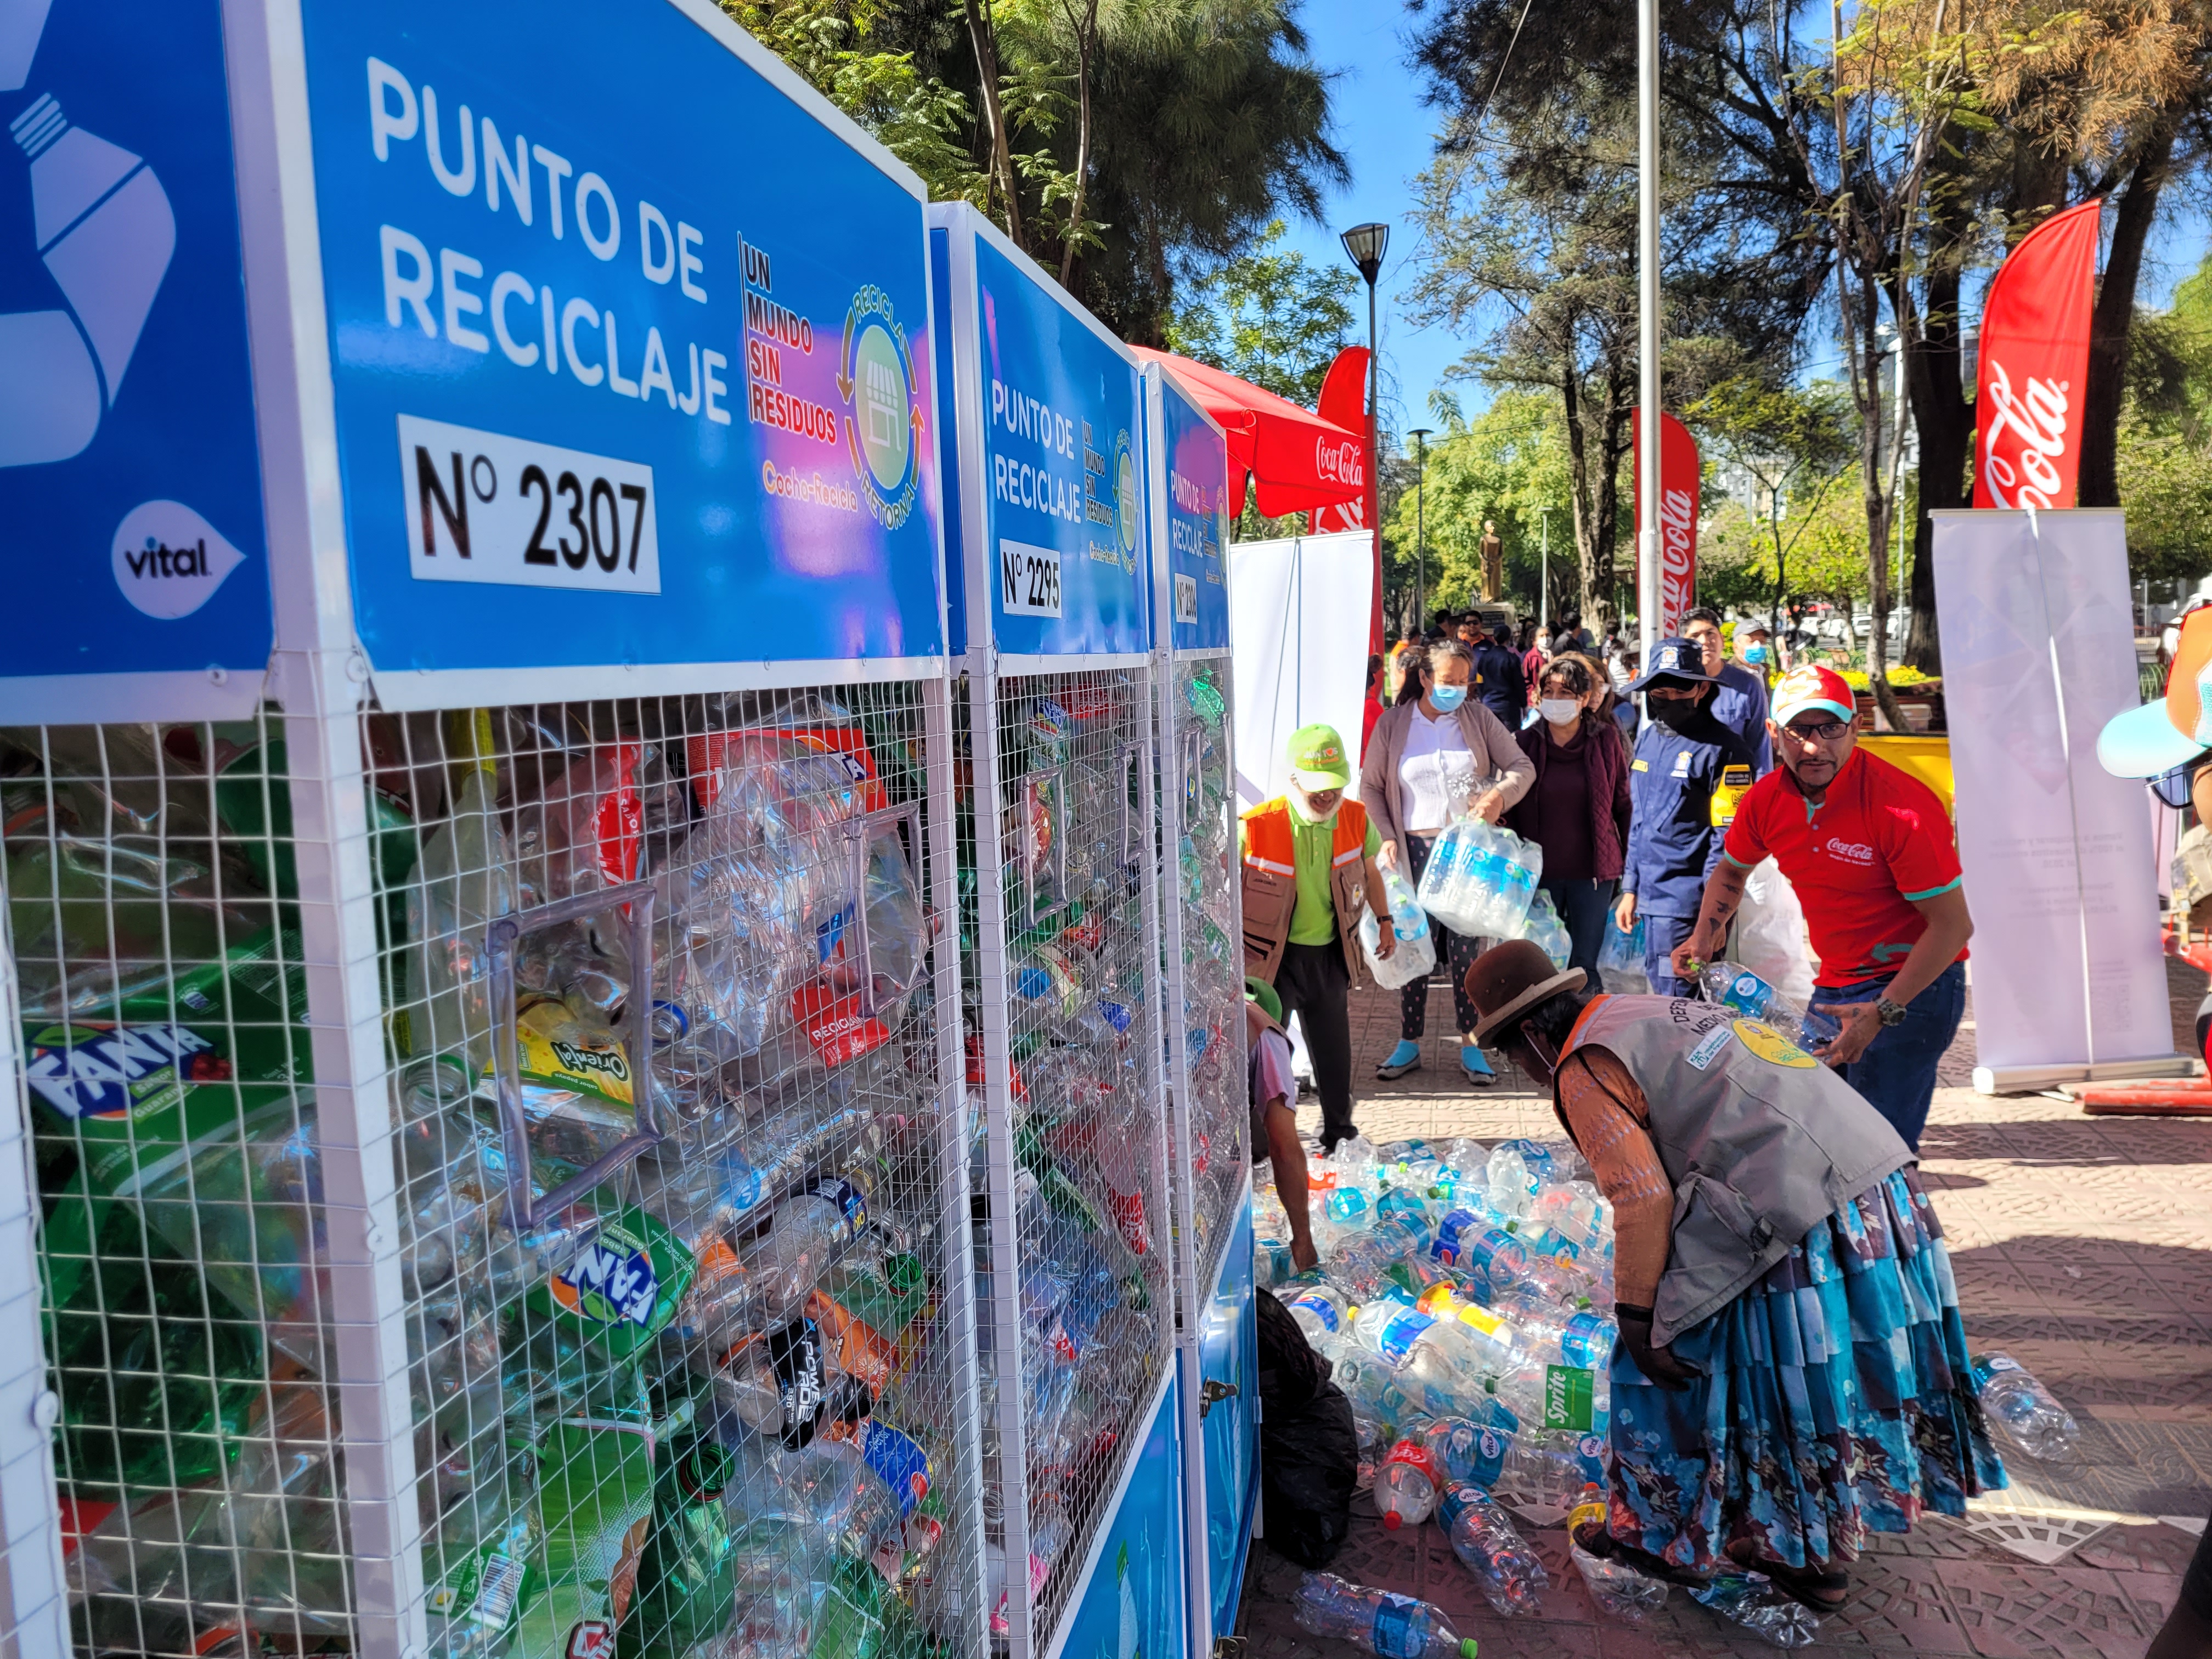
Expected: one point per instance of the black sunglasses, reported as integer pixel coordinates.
(2172, 787)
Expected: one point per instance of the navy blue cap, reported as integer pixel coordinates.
(1675, 659)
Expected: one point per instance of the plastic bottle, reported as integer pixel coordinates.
(1376, 1621)
(1406, 1486)
(1483, 1537)
(1751, 1600)
(1512, 1187)
(1488, 1338)
(1545, 1467)
(1360, 1263)
(1618, 1589)
(1735, 986)
(467, 880)
(807, 1232)
(1321, 1311)
(1389, 1326)
(2023, 1410)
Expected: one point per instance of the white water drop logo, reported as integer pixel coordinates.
(169, 561)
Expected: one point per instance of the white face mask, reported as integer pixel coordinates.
(1302, 804)
(1558, 710)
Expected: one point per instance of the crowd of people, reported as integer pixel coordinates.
(1652, 790)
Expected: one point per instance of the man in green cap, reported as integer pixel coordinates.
(1309, 870)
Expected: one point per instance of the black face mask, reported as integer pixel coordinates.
(1673, 713)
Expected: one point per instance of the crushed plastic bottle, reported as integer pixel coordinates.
(1735, 986)
(1482, 1535)
(1752, 1601)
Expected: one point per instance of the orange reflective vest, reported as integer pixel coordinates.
(1270, 885)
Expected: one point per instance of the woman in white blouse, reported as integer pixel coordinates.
(1429, 762)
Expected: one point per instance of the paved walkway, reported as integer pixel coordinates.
(2083, 1248)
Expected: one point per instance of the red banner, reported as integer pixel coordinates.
(2034, 365)
(1344, 401)
(1679, 482)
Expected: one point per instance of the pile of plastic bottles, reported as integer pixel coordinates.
(1480, 879)
(1464, 1299)
(697, 1403)
(1090, 1220)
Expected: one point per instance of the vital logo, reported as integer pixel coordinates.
(612, 1283)
(168, 560)
(593, 1638)
(589, 1058)
(884, 428)
(118, 1071)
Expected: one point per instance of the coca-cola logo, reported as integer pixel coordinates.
(1678, 559)
(2022, 472)
(1338, 460)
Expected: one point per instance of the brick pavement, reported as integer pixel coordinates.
(2083, 1248)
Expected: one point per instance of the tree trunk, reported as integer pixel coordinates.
(1942, 414)
(982, 38)
(1086, 34)
(1578, 485)
(2100, 482)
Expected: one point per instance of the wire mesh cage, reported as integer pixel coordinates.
(1201, 940)
(1071, 1127)
(680, 1242)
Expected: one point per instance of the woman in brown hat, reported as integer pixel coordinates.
(1793, 1371)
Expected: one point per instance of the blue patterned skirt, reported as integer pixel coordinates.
(1835, 1401)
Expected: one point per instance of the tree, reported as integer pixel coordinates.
(1793, 446)
(2165, 465)
(1267, 317)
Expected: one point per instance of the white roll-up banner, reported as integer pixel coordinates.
(2038, 652)
(1298, 634)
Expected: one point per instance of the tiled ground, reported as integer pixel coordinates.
(2083, 1248)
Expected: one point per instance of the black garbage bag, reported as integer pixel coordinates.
(1309, 1449)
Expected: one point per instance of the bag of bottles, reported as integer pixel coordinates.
(1543, 926)
(1415, 958)
(1479, 880)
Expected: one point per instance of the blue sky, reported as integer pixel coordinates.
(1386, 133)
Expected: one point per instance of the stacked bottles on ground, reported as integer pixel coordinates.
(1464, 1299)
(1091, 1228)
(698, 1403)
(1198, 765)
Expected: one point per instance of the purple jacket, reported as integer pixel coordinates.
(1607, 758)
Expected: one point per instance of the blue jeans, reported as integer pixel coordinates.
(1661, 935)
(1897, 1072)
(1584, 906)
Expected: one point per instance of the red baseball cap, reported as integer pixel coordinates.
(1811, 686)
(2162, 734)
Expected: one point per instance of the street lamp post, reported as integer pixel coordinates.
(1363, 245)
(1647, 261)
(1420, 437)
(1544, 587)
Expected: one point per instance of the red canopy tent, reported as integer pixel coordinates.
(1297, 461)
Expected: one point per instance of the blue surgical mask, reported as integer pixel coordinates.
(1754, 654)
(1447, 697)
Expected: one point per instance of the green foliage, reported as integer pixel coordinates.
(1268, 316)
(836, 47)
(1506, 466)
(2166, 436)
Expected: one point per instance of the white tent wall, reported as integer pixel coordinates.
(1297, 632)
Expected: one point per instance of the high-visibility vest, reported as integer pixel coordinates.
(1271, 887)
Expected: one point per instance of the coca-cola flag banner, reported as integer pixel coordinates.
(1344, 400)
(1679, 479)
(2035, 366)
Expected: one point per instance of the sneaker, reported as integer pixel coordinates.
(1406, 1057)
(1477, 1068)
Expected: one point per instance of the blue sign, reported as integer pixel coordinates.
(1190, 477)
(1133, 1602)
(1056, 478)
(129, 477)
(1228, 1353)
(632, 364)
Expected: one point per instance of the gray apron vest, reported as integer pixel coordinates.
(1760, 1140)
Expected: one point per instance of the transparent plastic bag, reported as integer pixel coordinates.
(1416, 955)
(1769, 934)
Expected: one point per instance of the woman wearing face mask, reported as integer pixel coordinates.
(1577, 809)
(1428, 761)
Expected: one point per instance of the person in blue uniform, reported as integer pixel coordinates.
(1498, 682)
(1681, 758)
(1739, 693)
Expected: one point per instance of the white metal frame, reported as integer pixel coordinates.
(987, 669)
(1191, 1303)
(323, 681)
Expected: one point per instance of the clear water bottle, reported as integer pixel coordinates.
(1376, 1621)
(1389, 1326)
(1512, 1188)
(1361, 1263)
(1619, 1589)
(2023, 1411)
(1751, 1600)
(1406, 1486)
(808, 1231)
(1322, 1314)
(1736, 987)
(1544, 1468)
(1482, 1535)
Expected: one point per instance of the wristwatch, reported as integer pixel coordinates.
(1888, 1012)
